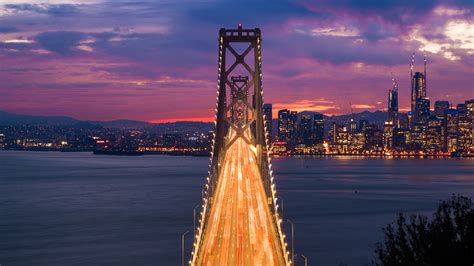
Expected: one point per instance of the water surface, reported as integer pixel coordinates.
(83, 209)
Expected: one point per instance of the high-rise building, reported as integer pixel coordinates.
(418, 135)
(304, 130)
(393, 105)
(464, 129)
(410, 120)
(440, 108)
(451, 130)
(401, 139)
(293, 126)
(343, 141)
(2, 141)
(434, 135)
(287, 125)
(388, 135)
(352, 126)
(470, 115)
(418, 89)
(267, 111)
(318, 128)
(422, 108)
(333, 133)
(357, 143)
(373, 139)
(403, 120)
(283, 125)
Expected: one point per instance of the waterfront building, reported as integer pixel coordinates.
(451, 130)
(388, 135)
(304, 131)
(318, 128)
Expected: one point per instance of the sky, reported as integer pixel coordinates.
(157, 60)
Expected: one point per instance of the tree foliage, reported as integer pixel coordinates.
(446, 239)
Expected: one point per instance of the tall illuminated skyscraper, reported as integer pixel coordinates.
(287, 125)
(451, 142)
(418, 85)
(393, 105)
(418, 89)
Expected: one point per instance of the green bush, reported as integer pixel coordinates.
(446, 239)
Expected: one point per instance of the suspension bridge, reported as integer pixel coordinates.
(239, 221)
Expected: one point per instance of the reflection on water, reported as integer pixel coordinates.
(81, 209)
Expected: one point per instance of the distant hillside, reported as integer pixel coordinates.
(123, 124)
(377, 117)
(7, 118)
(16, 119)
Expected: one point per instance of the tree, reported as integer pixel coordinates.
(446, 239)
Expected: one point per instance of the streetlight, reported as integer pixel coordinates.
(305, 260)
(182, 247)
(292, 241)
(195, 219)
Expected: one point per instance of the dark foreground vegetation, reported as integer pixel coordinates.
(445, 239)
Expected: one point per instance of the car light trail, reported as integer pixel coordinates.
(240, 230)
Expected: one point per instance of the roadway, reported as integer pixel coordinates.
(239, 230)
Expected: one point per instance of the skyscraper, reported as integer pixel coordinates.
(418, 89)
(283, 125)
(293, 127)
(352, 126)
(388, 135)
(287, 123)
(470, 115)
(318, 128)
(304, 130)
(451, 130)
(393, 104)
(434, 135)
(464, 128)
(267, 111)
(333, 133)
(422, 108)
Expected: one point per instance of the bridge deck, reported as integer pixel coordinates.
(240, 230)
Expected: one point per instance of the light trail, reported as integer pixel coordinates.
(240, 228)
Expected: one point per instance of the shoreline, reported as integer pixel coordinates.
(206, 154)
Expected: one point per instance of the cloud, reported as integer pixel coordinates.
(8, 29)
(61, 42)
(50, 9)
(165, 52)
(318, 105)
(363, 106)
(18, 41)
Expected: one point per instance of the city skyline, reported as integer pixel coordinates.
(56, 60)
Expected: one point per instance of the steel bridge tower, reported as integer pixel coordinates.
(239, 116)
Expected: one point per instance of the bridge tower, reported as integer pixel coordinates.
(239, 115)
